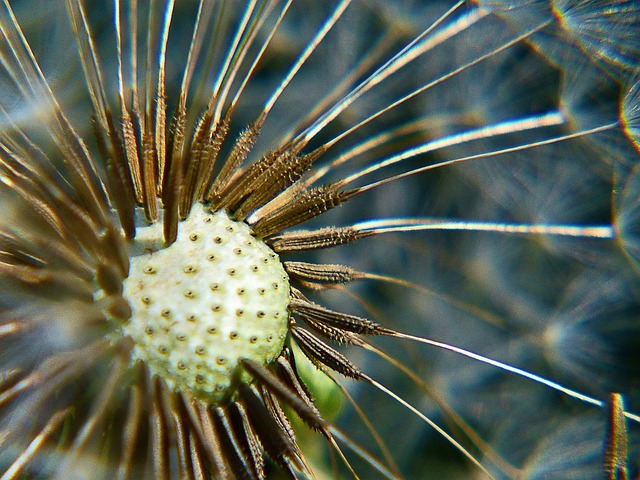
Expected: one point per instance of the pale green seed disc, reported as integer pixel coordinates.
(216, 295)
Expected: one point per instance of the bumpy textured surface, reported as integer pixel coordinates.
(215, 295)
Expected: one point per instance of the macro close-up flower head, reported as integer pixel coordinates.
(319, 239)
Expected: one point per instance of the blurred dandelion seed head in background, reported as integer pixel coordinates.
(183, 298)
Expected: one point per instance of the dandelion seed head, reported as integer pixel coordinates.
(521, 14)
(568, 450)
(176, 325)
(175, 346)
(630, 113)
(627, 219)
(604, 29)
